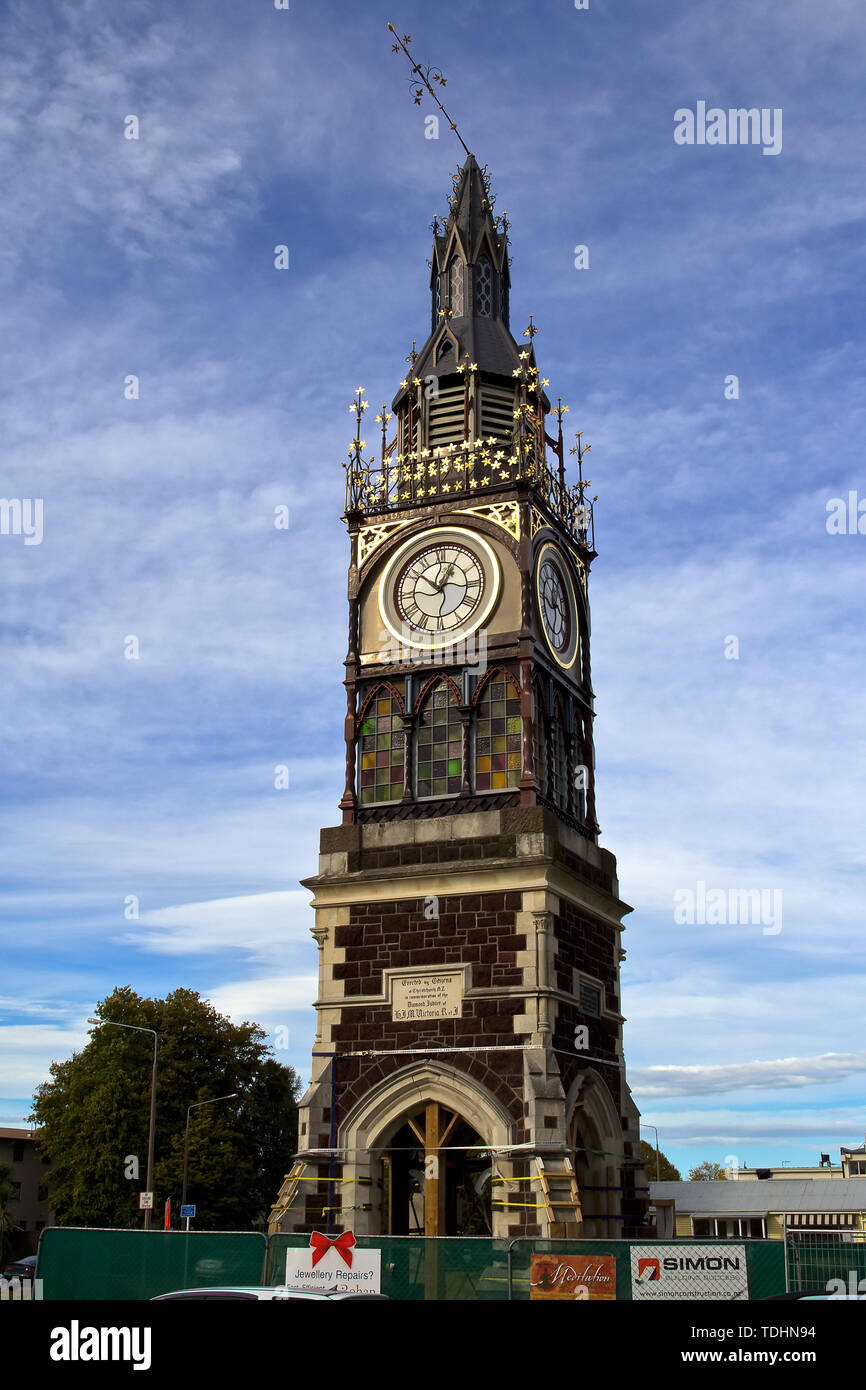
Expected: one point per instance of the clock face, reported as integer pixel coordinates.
(557, 605)
(554, 606)
(439, 586)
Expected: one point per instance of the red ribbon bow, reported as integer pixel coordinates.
(342, 1244)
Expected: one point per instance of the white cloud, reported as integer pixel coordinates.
(262, 925)
(786, 1073)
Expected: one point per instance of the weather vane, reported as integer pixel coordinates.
(424, 75)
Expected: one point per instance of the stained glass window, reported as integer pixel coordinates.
(559, 763)
(540, 743)
(484, 287)
(580, 767)
(498, 736)
(440, 744)
(457, 287)
(383, 750)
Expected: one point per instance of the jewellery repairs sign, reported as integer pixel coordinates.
(333, 1262)
(431, 994)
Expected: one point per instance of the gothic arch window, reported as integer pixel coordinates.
(498, 735)
(581, 771)
(503, 298)
(559, 757)
(439, 747)
(539, 740)
(382, 748)
(484, 287)
(437, 301)
(456, 287)
(445, 347)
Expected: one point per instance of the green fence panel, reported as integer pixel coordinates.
(765, 1260)
(813, 1260)
(77, 1263)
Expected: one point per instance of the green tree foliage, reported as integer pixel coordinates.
(95, 1111)
(666, 1170)
(707, 1172)
(7, 1221)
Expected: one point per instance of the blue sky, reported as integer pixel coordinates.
(154, 777)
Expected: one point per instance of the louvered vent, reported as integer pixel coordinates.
(446, 417)
(407, 445)
(497, 412)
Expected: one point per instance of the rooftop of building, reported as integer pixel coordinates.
(777, 1195)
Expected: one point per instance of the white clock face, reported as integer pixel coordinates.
(439, 586)
(557, 605)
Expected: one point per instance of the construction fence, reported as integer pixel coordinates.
(91, 1264)
(816, 1260)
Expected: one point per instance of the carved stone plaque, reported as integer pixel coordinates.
(433, 994)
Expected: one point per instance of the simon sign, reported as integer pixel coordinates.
(689, 1271)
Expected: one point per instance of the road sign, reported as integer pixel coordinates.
(145, 1201)
(187, 1211)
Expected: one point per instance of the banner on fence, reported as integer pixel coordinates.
(689, 1272)
(572, 1277)
(334, 1263)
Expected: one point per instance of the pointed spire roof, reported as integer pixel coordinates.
(479, 325)
(471, 212)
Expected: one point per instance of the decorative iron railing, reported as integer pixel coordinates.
(472, 466)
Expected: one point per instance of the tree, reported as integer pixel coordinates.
(708, 1172)
(8, 1223)
(94, 1113)
(666, 1170)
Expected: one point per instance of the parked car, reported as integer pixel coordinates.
(274, 1294)
(801, 1294)
(21, 1269)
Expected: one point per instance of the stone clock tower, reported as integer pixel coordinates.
(468, 1071)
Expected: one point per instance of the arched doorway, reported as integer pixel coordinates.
(436, 1176)
(412, 1116)
(595, 1138)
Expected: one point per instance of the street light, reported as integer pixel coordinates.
(658, 1158)
(195, 1106)
(151, 1138)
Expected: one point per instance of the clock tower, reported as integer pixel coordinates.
(468, 1071)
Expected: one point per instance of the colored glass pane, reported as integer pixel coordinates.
(382, 751)
(439, 757)
(540, 742)
(559, 765)
(498, 737)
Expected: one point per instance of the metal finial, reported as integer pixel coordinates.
(424, 75)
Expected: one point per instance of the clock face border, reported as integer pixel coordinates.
(438, 535)
(551, 553)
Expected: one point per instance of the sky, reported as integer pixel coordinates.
(165, 647)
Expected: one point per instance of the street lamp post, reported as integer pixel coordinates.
(658, 1156)
(195, 1106)
(151, 1137)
